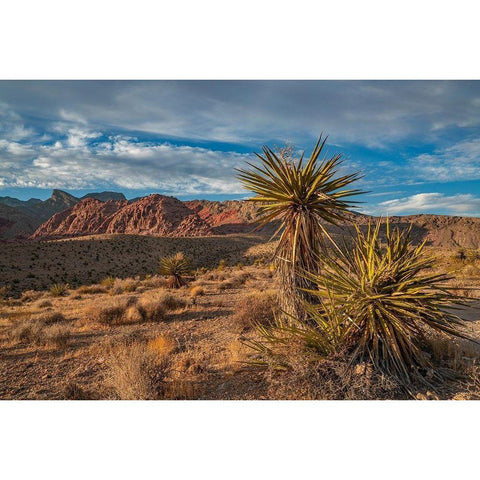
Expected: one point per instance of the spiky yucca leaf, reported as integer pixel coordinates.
(174, 267)
(387, 300)
(300, 195)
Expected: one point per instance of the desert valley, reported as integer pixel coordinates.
(85, 313)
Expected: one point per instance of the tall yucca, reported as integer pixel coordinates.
(175, 267)
(300, 195)
(387, 300)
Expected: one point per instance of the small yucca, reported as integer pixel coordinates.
(175, 267)
(300, 195)
(58, 289)
(386, 301)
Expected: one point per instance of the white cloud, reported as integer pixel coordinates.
(460, 204)
(460, 161)
(120, 162)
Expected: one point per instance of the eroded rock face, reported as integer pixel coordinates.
(86, 217)
(168, 216)
(152, 215)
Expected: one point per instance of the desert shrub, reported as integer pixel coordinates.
(222, 264)
(152, 310)
(30, 295)
(110, 314)
(162, 345)
(108, 282)
(43, 328)
(91, 289)
(58, 289)
(155, 282)
(25, 331)
(57, 335)
(132, 314)
(43, 304)
(175, 267)
(171, 302)
(134, 372)
(240, 279)
(226, 285)
(197, 291)
(49, 318)
(256, 308)
(124, 285)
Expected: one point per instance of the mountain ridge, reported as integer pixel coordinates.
(167, 216)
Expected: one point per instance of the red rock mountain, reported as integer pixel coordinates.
(168, 216)
(152, 215)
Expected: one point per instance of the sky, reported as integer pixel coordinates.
(417, 143)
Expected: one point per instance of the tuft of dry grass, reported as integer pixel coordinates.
(43, 304)
(197, 291)
(171, 302)
(155, 282)
(152, 310)
(162, 345)
(134, 372)
(256, 308)
(45, 328)
(91, 289)
(109, 314)
(57, 335)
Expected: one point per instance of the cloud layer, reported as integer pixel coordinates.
(186, 138)
(460, 204)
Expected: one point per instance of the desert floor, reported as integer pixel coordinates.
(134, 338)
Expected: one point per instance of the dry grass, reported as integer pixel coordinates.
(175, 351)
(152, 310)
(46, 328)
(112, 313)
(124, 285)
(197, 291)
(91, 289)
(132, 373)
(256, 308)
(162, 346)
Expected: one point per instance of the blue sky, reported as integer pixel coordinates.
(416, 142)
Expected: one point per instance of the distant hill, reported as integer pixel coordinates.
(152, 215)
(63, 215)
(30, 214)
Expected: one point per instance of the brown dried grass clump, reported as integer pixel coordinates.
(197, 291)
(162, 345)
(152, 310)
(112, 313)
(91, 289)
(256, 308)
(45, 328)
(136, 372)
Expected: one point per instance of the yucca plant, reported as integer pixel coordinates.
(175, 267)
(387, 301)
(301, 195)
(58, 289)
